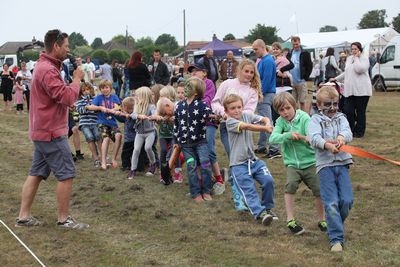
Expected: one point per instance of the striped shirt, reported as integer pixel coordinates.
(86, 117)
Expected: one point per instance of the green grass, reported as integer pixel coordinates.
(143, 223)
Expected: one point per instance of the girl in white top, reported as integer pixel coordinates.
(247, 85)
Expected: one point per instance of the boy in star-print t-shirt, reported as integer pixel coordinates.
(191, 116)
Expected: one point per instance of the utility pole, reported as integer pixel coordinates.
(184, 29)
(126, 37)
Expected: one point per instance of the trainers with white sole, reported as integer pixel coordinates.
(70, 223)
(31, 221)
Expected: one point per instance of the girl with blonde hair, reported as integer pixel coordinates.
(247, 85)
(143, 111)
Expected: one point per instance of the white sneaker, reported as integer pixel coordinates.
(337, 247)
(218, 189)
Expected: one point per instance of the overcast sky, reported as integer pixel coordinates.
(21, 20)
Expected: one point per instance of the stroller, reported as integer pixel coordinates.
(339, 88)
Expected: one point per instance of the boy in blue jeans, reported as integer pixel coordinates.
(327, 131)
(298, 156)
(245, 167)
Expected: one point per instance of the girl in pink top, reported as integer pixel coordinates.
(247, 85)
(19, 95)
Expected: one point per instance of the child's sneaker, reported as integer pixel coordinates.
(295, 228)
(274, 216)
(207, 197)
(178, 177)
(31, 221)
(323, 226)
(131, 174)
(79, 156)
(266, 218)
(152, 170)
(97, 163)
(70, 223)
(337, 247)
(198, 199)
(218, 188)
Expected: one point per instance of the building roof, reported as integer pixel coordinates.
(195, 45)
(12, 47)
(114, 45)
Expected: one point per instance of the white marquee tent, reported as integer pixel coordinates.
(371, 39)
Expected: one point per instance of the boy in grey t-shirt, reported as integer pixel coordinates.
(245, 167)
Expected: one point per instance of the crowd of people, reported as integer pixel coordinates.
(181, 120)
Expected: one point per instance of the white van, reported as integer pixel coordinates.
(386, 72)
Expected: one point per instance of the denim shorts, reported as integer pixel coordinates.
(53, 156)
(91, 132)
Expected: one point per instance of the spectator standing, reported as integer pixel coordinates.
(117, 77)
(211, 65)
(89, 68)
(106, 71)
(138, 73)
(228, 67)
(301, 71)
(267, 70)
(158, 69)
(357, 89)
(329, 66)
(7, 80)
(342, 61)
(50, 100)
(26, 76)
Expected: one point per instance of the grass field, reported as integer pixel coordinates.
(143, 223)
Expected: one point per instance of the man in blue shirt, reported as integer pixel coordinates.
(301, 71)
(267, 70)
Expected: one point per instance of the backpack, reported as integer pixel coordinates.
(330, 71)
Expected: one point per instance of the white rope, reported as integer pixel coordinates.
(22, 243)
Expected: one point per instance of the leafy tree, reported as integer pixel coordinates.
(97, 43)
(328, 28)
(30, 55)
(126, 55)
(100, 54)
(373, 19)
(229, 36)
(146, 46)
(121, 39)
(82, 50)
(76, 39)
(396, 23)
(116, 54)
(166, 43)
(266, 33)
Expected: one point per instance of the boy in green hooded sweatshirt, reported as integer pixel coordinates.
(290, 132)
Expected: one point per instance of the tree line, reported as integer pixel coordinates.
(168, 44)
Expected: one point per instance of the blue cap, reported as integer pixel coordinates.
(197, 66)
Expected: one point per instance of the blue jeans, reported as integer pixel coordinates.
(194, 155)
(117, 88)
(244, 176)
(223, 131)
(211, 132)
(264, 109)
(337, 196)
(91, 132)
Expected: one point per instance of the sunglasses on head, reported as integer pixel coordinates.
(60, 36)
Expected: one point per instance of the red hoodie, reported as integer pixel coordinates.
(50, 98)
